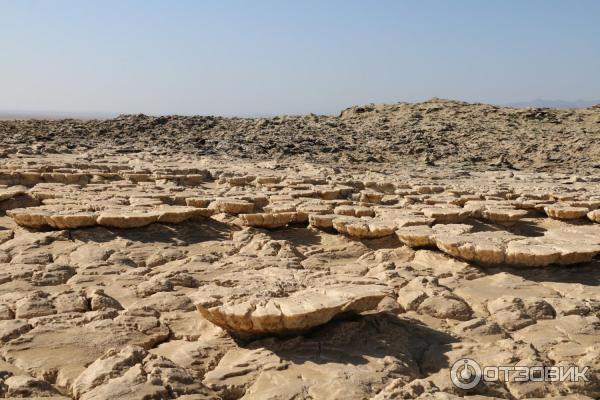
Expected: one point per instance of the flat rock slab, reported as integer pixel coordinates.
(272, 220)
(364, 228)
(504, 248)
(60, 217)
(296, 313)
(566, 212)
(446, 215)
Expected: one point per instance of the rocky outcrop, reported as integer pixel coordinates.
(279, 279)
(249, 314)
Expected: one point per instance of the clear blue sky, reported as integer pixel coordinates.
(253, 57)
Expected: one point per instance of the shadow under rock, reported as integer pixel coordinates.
(353, 340)
(587, 274)
(189, 232)
(521, 227)
(298, 235)
(525, 228)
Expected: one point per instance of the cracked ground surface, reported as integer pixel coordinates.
(154, 277)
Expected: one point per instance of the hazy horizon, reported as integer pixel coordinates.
(50, 114)
(236, 58)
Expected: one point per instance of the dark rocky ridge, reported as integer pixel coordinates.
(436, 132)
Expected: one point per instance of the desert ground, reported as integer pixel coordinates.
(356, 256)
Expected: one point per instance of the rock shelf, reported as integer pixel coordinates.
(155, 276)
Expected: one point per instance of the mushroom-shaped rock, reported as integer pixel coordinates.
(298, 312)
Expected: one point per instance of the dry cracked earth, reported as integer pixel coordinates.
(165, 274)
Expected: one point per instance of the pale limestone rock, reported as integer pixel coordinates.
(163, 257)
(369, 196)
(133, 384)
(70, 302)
(36, 304)
(124, 218)
(272, 220)
(562, 246)
(111, 364)
(322, 221)
(8, 193)
(437, 308)
(134, 373)
(424, 236)
(12, 328)
(446, 215)
(323, 365)
(31, 218)
(363, 228)
(6, 312)
(54, 217)
(277, 208)
(52, 274)
(295, 313)
(100, 301)
(178, 214)
(594, 215)
(23, 386)
(70, 342)
(354, 211)
(5, 236)
(503, 214)
(232, 206)
(418, 388)
(199, 202)
(513, 313)
(403, 217)
(426, 296)
(564, 211)
(315, 208)
(240, 180)
(495, 210)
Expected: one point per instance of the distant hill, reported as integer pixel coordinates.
(543, 103)
(434, 132)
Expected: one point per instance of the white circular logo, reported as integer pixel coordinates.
(465, 373)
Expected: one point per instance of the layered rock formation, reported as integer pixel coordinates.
(167, 275)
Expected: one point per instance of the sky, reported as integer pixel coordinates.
(271, 57)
